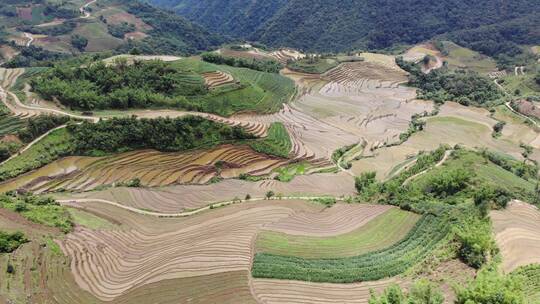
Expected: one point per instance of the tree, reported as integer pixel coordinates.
(269, 194)
(79, 42)
(364, 180)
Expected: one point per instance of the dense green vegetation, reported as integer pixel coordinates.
(530, 281)
(121, 29)
(323, 26)
(34, 56)
(277, 143)
(270, 66)
(490, 287)
(170, 34)
(120, 86)
(154, 83)
(37, 126)
(421, 292)
(465, 87)
(9, 242)
(41, 210)
(163, 134)
(396, 259)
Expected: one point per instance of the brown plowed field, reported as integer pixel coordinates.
(291, 292)
(152, 168)
(340, 219)
(179, 198)
(517, 232)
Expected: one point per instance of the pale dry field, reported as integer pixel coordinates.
(517, 232)
(180, 198)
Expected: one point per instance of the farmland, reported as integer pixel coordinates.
(173, 165)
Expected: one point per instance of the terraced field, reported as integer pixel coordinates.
(152, 168)
(216, 79)
(320, 235)
(517, 234)
(455, 124)
(175, 199)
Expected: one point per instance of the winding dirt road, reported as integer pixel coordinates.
(82, 9)
(447, 154)
(71, 202)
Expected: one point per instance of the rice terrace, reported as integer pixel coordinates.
(268, 152)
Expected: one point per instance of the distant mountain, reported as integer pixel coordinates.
(237, 18)
(323, 25)
(66, 27)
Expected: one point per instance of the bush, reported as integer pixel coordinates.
(491, 287)
(448, 182)
(9, 242)
(421, 292)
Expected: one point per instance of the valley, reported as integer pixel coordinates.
(148, 159)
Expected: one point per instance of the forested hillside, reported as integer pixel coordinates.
(336, 26)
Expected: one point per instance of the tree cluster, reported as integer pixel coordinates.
(465, 87)
(120, 86)
(163, 134)
(270, 66)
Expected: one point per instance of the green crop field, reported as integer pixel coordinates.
(277, 143)
(254, 91)
(381, 232)
(530, 278)
(10, 124)
(396, 259)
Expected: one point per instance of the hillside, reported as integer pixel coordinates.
(327, 26)
(46, 30)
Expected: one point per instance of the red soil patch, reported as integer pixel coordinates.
(527, 108)
(129, 18)
(10, 138)
(136, 36)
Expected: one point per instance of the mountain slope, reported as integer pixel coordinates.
(336, 26)
(239, 18)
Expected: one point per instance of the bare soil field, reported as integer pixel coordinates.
(527, 108)
(174, 199)
(152, 168)
(339, 219)
(420, 51)
(517, 232)
(289, 292)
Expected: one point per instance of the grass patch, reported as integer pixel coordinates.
(52, 147)
(463, 58)
(89, 220)
(381, 232)
(277, 143)
(530, 279)
(45, 211)
(287, 173)
(522, 85)
(53, 247)
(312, 65)
(396, 259)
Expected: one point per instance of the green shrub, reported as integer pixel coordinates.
(9, 242)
